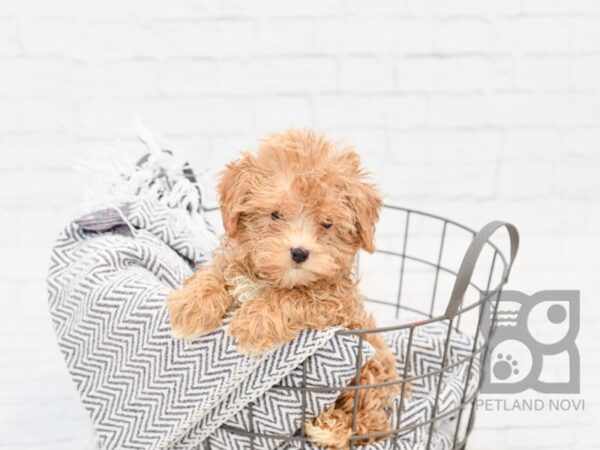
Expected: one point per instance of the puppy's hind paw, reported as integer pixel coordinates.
(331, 430)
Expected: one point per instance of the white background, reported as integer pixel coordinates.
(473, 109)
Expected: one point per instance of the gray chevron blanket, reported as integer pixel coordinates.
(110, 273)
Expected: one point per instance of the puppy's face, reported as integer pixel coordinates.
(299, 208)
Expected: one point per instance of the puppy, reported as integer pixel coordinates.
(295, 215)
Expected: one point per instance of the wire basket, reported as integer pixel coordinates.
(436, 271)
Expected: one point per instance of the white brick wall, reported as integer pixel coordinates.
(472, 109)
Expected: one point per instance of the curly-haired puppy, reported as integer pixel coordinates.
(295, 214)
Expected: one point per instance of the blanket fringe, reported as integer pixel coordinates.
(118, 176)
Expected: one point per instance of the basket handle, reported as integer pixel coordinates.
(463, 278)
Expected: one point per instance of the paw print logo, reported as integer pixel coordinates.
(529, 332)
(509, 362)
(505, 367)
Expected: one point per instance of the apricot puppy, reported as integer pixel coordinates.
(295, 214)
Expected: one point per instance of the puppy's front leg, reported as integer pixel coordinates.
(199, 305)
(265, 322)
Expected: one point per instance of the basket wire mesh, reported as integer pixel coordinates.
(475, 270)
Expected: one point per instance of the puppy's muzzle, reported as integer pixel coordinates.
(299, 255)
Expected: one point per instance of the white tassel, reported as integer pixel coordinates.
(117, 178)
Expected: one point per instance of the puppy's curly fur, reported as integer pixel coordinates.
(295, 214)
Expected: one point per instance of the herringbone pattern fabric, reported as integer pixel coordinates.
(142, 388)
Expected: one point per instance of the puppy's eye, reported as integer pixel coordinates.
(276, 215)
(327, 224)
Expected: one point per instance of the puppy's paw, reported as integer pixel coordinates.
(197, 308)
(188, 319)
(258, 330)
(332, 429)
(249, 335)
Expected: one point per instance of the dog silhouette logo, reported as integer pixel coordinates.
(533, 343)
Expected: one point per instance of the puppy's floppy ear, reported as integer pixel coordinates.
(233, 190)
(363, 198)
(366, 202)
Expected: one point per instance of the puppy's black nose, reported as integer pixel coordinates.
(299, 255)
